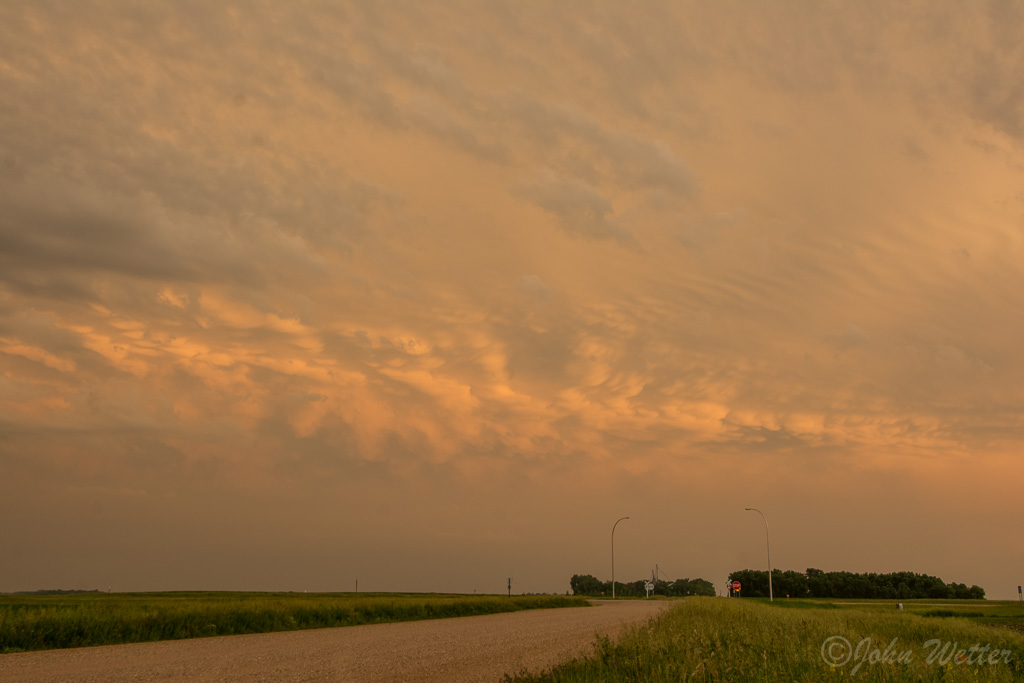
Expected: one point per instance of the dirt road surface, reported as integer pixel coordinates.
(461, 649)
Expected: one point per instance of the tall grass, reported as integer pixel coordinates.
(716, 639)
(35, 622)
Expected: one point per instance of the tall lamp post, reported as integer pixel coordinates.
(613, 553)
(768, 542)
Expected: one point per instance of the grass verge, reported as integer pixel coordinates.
(716, 639)
(38, 622)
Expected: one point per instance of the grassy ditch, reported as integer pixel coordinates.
(43, 622)
(718, 639)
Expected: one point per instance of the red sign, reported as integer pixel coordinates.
(735, 585)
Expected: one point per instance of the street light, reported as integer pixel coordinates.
(613, 552)
(768, 542)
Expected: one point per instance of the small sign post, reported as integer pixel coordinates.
(736, 586)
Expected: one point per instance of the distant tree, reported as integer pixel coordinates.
(585, 584)
(818, 584)
(959, 590)
(753, 583)
(636, 588)
(789, 583)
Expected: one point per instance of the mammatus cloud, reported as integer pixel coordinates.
(448, 273)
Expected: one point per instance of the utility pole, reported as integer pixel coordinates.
(613, 553)
(768, 545)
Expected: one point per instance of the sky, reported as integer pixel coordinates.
(427, 295)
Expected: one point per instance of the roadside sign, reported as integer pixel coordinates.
(735, 585)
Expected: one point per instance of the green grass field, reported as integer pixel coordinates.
(1009, 614)
(43, 622)
(718, 639)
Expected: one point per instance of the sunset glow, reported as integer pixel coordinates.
(429, 294)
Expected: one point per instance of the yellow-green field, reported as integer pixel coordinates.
(43, 622)
(719, 639)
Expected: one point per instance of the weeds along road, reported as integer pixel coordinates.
(480, 648)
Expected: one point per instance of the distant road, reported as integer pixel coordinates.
(479, 648)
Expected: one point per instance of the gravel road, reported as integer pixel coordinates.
(461, 649)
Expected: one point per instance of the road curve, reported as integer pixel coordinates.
(480, 648)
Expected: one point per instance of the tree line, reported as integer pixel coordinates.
(585, 584)
(815, 583)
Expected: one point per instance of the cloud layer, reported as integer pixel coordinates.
(375, 287)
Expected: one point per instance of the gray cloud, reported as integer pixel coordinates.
(852, 337)
(580, 209)
(534, 285)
